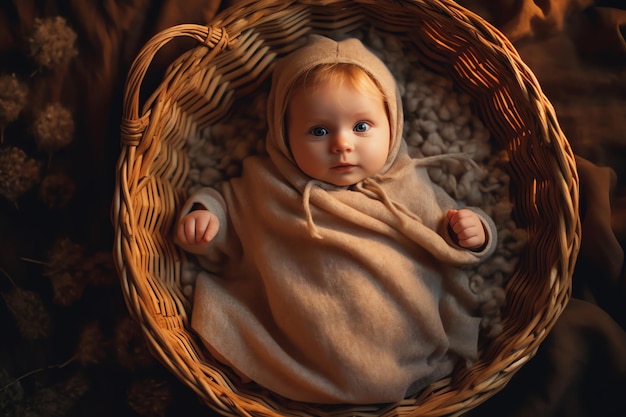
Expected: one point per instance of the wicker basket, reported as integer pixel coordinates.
(233, 55)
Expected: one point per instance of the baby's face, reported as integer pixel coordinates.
(337, 134)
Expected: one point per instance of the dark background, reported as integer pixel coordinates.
(68, 347)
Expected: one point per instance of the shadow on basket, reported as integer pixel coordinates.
(463, 88)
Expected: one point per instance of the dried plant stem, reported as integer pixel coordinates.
(35, 371)
(6, 274)
(34, 261)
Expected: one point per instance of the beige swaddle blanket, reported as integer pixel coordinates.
(335, 294)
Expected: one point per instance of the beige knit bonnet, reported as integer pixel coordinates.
(323, 50)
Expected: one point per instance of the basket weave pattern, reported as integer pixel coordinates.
(234, 55)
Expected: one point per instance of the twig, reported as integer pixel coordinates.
(34, 371)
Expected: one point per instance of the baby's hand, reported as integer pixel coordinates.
(198, 227)
(468, 228)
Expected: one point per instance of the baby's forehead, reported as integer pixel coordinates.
(333, 77)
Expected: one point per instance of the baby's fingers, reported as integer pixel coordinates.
(200, 230)
(471, 237)
(190, 230)
(467, 228)
(459, 219)
(210, 230)
(187, 230)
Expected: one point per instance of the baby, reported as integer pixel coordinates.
(334, 266)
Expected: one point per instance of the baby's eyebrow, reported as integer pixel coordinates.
(316, 124)
(365, 114)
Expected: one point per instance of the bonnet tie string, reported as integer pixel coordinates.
(431, 161)
(372, 188)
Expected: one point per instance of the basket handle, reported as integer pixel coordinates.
(133, 124)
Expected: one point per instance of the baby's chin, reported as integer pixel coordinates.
(347, 183)
(344, 179)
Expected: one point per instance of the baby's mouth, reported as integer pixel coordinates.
(343, 167)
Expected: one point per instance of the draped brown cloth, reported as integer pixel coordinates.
(576, 48)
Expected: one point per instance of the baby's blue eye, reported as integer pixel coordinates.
(361, 127)
(319, 131)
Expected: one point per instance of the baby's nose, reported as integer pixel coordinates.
(342, 144)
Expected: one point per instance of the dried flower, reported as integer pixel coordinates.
(65, 255)
(149, 397)
(130, 345)
(13, 95)
(76, 386)
(68, 288)
(57, 400)
(44, 402)
(52, 42)
(31, 317)
(11, 390)
(65, 271)
(100, 270)
(18, 173)
(70, 270)
(53, 128)
(91, 346)
(57, 190)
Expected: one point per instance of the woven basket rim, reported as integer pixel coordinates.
(236, 49)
